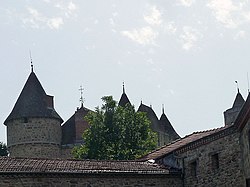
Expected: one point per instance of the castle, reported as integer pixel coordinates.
(216, 157)
(35, 129)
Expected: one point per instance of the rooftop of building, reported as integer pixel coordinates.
(38, 165)
(33, 102)
(196, 139)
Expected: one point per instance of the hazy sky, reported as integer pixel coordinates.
(185, 54)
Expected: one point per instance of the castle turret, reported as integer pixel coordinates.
(124, 98)
(231, 114)
(33, 126)
(167, 128)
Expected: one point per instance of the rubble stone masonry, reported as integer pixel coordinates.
(217, 163)
(34, 137)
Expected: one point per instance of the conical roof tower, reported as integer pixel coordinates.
(124, 98)
(33, 126)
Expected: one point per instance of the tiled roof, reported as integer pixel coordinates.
(182, 143)
(33, 102)
(59, 166)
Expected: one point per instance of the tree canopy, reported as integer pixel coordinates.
(3, 149)
(116, 133)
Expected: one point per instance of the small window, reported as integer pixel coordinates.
(215, 161)
(25, 120)
(193, 168)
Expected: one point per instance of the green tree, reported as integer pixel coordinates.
(3, 149)
(116, 133)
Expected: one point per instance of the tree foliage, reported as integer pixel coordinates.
(116, 133)
(3, 149)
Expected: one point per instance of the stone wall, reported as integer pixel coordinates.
(36, 150)
(217, 163)
(34, 137)
(66, 152)
(245, 141)
(135, 180)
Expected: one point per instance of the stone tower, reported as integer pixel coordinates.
(33, 126)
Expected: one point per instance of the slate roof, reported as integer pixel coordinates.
(244, 114)
(62, 166)
(151, 116)
(124, 100)
(165, 123)
(239, 101)
(188, 142)
(32, 102)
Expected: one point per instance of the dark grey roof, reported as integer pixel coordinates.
(151, 116)
(62, 166)
(33, 102)
(124, 100)
(166, 125)
(239, 101)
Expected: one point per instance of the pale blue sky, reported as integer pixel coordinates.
(185, 54)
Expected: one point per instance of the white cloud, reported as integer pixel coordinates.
(67, 8)
(37, 20)
(190, 37)
(154, 17)
(231, 14)
(144, 36)
(187, 3)
(55, 23)
(223, 10)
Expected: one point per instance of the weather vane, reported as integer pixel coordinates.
(81, 98)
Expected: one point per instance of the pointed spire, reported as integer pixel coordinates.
(237, 86)
(124, 98)
(31, 63)
(163, 109)
(123, 88)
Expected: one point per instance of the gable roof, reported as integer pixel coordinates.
(62, 166)
(33, 102)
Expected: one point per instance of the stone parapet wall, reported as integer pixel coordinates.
(136, 180)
